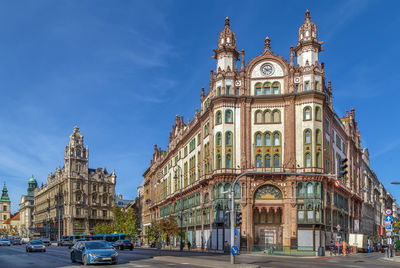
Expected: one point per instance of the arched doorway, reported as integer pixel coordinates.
(267, 217)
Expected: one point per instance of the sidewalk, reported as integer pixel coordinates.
(395, 259)
(176, 249)
(202, 262)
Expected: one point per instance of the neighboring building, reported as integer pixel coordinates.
(268, 116)
(5, 206)
(137, 206)
(26, 208)
(145, 215)
(12, 225)
(75, 197)
(123, 203)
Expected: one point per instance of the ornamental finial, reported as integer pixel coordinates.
(308, 18)
(267, 46)
(227, 21)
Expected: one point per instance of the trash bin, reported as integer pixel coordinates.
(321, 251)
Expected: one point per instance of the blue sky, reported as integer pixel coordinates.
(122, 70)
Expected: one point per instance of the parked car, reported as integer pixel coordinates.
(25, 240)
(46, 241)
(123, 244)
(64, 242)
(17, 242)
(36, 245)
(91, 252)
(5, 242)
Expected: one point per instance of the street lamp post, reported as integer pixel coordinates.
(181, 204)
(395, 182)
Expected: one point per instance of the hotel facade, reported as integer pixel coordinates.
(270, 116)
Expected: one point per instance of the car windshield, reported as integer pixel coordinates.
(36, 242)
(97, 245)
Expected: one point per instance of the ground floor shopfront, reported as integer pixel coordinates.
(278, 212)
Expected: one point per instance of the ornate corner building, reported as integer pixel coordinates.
(268, 116)
(26, 208)
(75, 197)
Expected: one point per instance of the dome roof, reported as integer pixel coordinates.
(227, 37)
(32, 180)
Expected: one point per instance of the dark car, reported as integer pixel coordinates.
(64, 242)
(89, 252)
(17, 242)
(35, 245)
(46, 242)
(123, 244)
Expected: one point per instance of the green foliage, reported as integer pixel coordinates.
(168, 227)
(154, 231)
(125, 223)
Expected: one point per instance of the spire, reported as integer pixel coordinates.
(307, 18)
(227, 38)
(4, 194)
(227, 22)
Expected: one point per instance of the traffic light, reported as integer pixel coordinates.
(238, 218)
(342, 167)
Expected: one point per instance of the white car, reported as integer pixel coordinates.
(5, 242)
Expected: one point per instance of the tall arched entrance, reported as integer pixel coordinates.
(267, 217)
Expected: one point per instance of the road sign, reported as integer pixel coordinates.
(388, 211)
(388, 218)
(338, 227)
(337, 183)
(388, 227)
(234, 250)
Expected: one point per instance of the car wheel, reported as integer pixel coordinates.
(122, 247)
(85, 260)
(72, 258)
(131, 248)
(44, 250)
(26, 250)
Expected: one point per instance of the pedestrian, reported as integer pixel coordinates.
(344, 248)
(336, 248)
(226, 247)
(189, 245)
(332, 247)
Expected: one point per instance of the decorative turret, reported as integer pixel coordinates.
(308, 47)
(4, 194)
(226, 53)
(32, 185)
(76, 155)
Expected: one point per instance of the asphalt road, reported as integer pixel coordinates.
(15, 256)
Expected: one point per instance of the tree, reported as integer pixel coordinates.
(154, 231)
(168, 228)
(102, 228)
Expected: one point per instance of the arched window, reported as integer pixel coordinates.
(307, 113)
(276, 116)
(276, 88)
(218, 141)
(258, 139)
(267, 88)
(206, 198)
(310, 189)
(218, 164)
(277, 139)
(267, 161)
(228, 116)
(228, 138)
(267, 139)
(276, 160)
(227, 187)
(228, 90)
(318, 113)
(307, 136)
(318, 136)
(306, 85)
(258, 117)
(318, 159)
(300, 189)
(308, 159)
(218, 91)
(268, 191)
(206, 130)
(267, 116)
(218, 117)
(258, 161)
(258, 89)
(228, 163)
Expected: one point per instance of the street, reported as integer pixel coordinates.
(15, 256)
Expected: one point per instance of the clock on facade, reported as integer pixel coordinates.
(267, 69)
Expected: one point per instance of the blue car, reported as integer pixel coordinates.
(92, 252)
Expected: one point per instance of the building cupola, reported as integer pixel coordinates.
(32, 185)
(4, 194)
(226, 53)
(308, 46)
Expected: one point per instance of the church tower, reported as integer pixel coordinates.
(76, 155)
(308, 47)
(5, 206)
(32, 185)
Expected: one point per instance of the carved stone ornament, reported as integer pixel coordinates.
(238, 83)
(268, 192)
